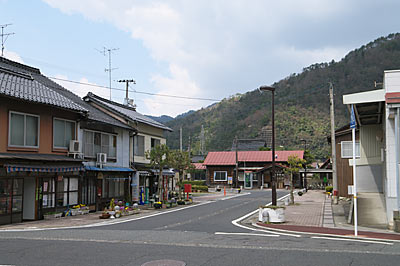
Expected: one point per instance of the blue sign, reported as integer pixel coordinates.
(352, 118)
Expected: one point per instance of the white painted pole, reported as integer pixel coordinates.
(353, 132)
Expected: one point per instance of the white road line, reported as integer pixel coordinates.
(236, 223)
(243, 234)
(355, 240)
(112, 222)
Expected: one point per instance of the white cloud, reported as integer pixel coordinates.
(220, 47)
(13, 56)
(180, 84)
(81, 89)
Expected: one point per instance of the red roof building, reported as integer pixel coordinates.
(229, 157)
(221, 167)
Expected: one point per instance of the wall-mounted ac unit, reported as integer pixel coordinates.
(74, 146)
(101, 158)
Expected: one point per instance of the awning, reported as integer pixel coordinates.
(108, 169)
(42, 169)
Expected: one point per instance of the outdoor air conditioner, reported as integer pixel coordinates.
(101, 158)
(74, 146)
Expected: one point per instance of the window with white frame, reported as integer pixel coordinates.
(220, 176)
(139, 145)
(347, 149)
(63, 132)
(96, 142)
(23, 130)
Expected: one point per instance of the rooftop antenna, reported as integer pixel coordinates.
(109, 69)
(4, 37)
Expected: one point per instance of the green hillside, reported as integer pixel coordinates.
(301, 103)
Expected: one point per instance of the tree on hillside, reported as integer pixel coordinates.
(159, 158)
(295, 164)
(180, 160)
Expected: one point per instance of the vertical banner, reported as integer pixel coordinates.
(135, 187)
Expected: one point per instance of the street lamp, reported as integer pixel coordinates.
(305, 165)
(273, 178)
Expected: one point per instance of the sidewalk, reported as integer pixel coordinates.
(93, 218)
(312, 213)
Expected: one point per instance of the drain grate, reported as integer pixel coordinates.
(164, 263)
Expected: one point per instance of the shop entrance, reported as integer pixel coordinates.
(11, 200)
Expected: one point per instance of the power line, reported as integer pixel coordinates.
(140, 92)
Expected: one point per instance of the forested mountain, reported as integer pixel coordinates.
(301, 103)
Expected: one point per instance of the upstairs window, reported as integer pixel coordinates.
(96, 142)
(23, 130)
(63, 133)
(347, 149)
(139, 145)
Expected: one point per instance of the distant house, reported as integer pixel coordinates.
(221, 167)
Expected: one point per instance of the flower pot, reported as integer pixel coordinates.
(104, 216)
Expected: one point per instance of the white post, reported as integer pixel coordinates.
(353, 133)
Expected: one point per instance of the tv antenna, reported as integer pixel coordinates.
(4, 37)
(109, 69)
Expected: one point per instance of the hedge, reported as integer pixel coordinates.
(195, 182)
(195, 188)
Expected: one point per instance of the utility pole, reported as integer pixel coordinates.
(180, 139)
(109, 69)
(4, 37)
(202, 140)
(127, 81)
(237, 161)
(333, 142)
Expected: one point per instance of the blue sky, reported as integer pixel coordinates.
(200, 49)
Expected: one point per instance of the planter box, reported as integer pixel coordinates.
(52, 216)
(271, 215)
(74, 212)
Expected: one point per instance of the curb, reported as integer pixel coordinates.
(260, 225)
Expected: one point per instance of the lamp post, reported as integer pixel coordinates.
(273, 178)
(305, 165)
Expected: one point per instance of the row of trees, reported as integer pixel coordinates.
(161, 156)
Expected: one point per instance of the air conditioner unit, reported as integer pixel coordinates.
(74, 146)
(101, 158)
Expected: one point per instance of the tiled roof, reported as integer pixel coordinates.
(126, 111)
(229, 157)
(33, 86)
(199, 166)
(24, 87)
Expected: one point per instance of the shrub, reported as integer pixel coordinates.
(194, 182)
(329, 189)
(201, 188)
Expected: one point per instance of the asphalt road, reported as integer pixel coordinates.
(199, 235)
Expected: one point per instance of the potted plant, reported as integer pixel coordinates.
(105, 214)
(158, 205)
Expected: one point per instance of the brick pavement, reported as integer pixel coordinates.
(307, 210)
